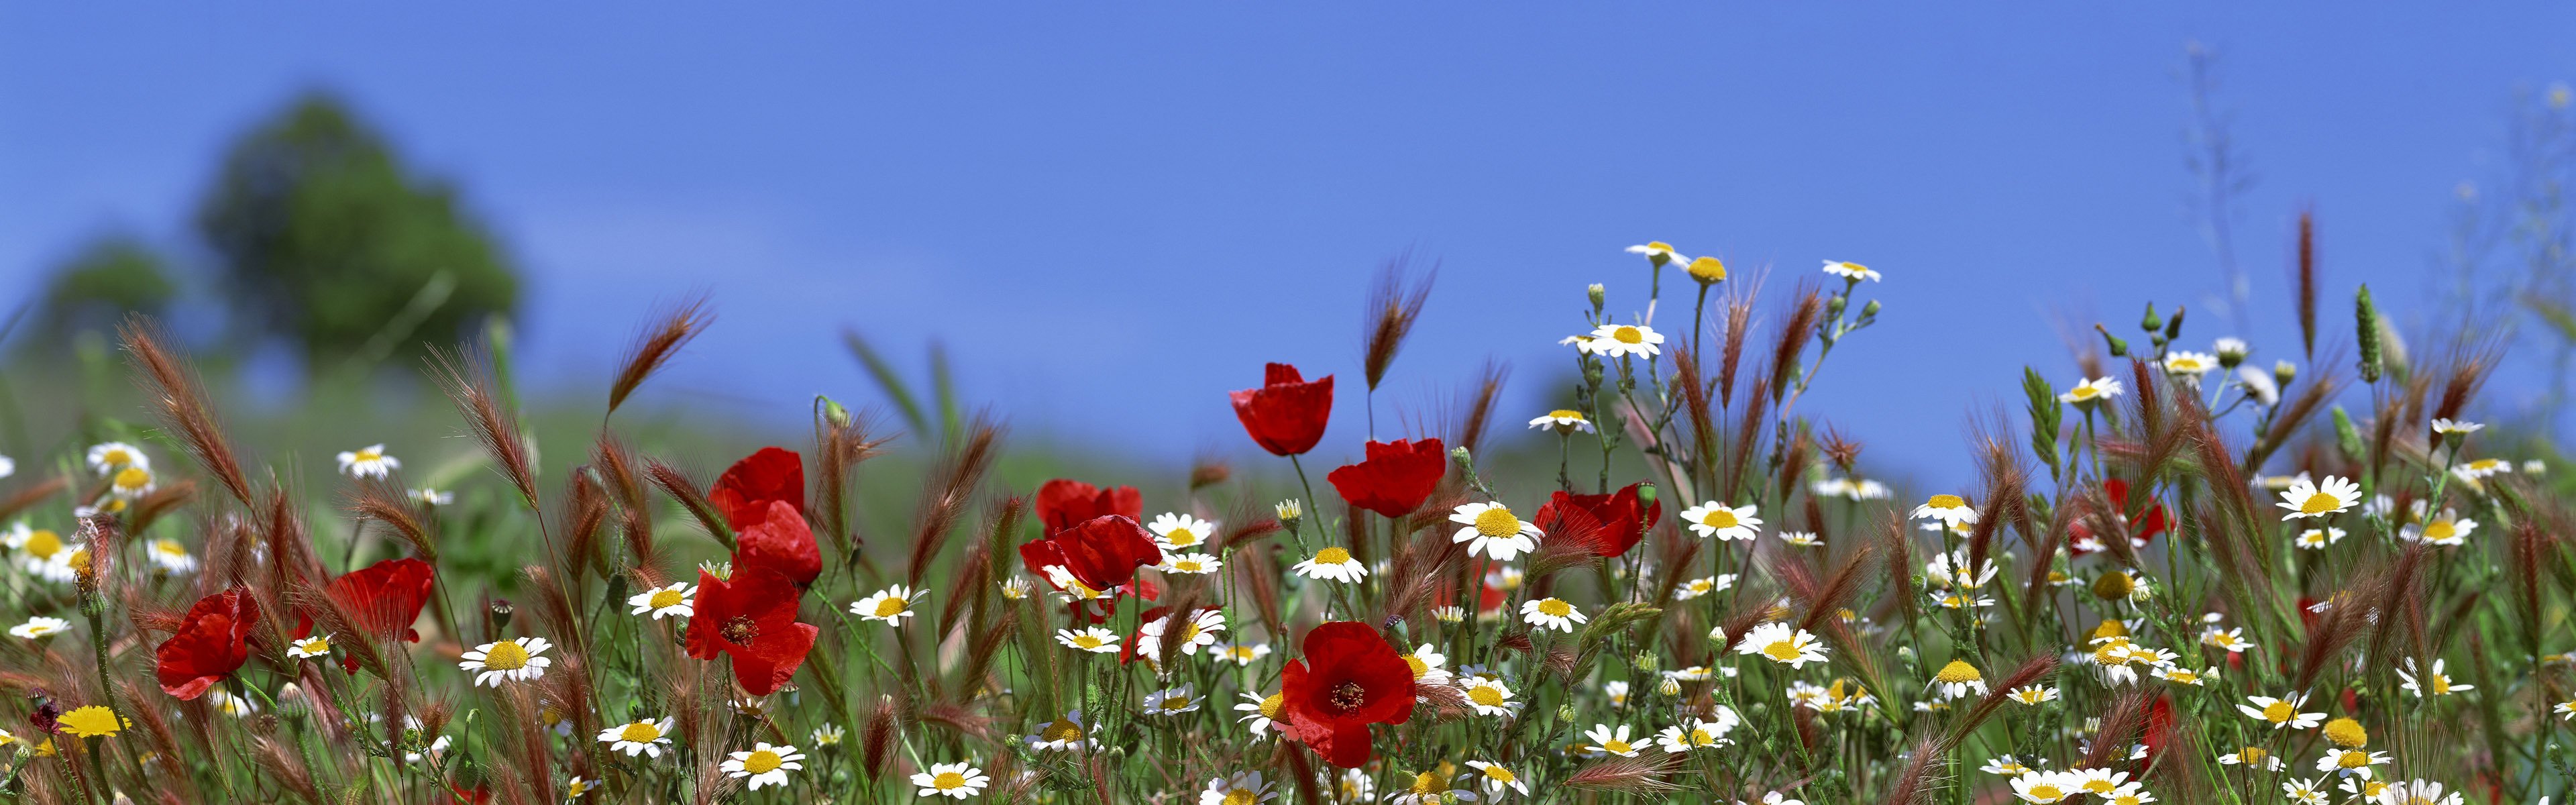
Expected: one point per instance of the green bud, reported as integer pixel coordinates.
(833, 413)
(1644, 661)
(2283, 372)
(2151, 322)
(2119, 348)
(2173, 328)
(1869, 311)
(1596, 294)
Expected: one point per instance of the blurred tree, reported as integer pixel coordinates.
(113, 275)
(322, 239)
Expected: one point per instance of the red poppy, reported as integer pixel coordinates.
(1348, 679)
(1619, 519)
(1101, 553)
(1286, 414)
(1395, 477)
(1096, 611)
(744, 491)
(1063, 503)
(383, 598)
(781, 541)
(212, 642)
(2158, 735)
(752, 618)
(2145, 520)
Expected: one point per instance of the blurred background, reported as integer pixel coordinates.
(1097, 219)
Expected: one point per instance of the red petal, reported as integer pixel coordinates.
(744, 491)
(212, 642)
(781, 541)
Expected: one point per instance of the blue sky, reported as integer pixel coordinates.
(1113, 213)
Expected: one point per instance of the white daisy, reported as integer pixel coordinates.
(1425, 662)
(232, 704)
(1243, 788)
(1195, 631)
(2281, 713)
(2350, 762)
(2446, 530)
(1563, 419)
(131, 483)
(1703, 586)
(1605, 741)
(1782, 643)
(2088, 392)
(513, 659)
(171, 556)
(1699, 734)
(892, 605)
(1061, 734)
(1551, 613)
(666, 601)
(432, 497)
(1244, 654)
(1803, 539)
(645, 737)
(310, 647)
(1263, 710)
(106, 458)
(1493, 531)
(1333, 563)
(2429, 684)
(1716, 519)
(1171, 701)
(1958, 679)
(2316, 539)
(1189, 563)
(1854, 272)
(368, 462)
(1174, 531)
(2044, 787)
(1488, 695)
(2185, 363)
(1624, 340)
(1495, 778)
(1094, 639)
(2455, 426)
(768, 764)
(1658, 252)
(2308, 499)
(1950, 510)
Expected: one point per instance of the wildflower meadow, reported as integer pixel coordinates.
(2192, 570)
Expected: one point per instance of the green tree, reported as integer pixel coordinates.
(114, 275)
(323, 239)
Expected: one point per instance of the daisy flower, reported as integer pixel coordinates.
(1564, 420)
(1354, 785)
(1952, 569)
(2043, 787)
(1335, 563)
(1061, 734)
(1604, 741)
(2131, 794)
(368, 462)
(1803, 539)
(171, 556)
(2316, 539)
(2446, 530)
(1095, 639)
(2481, 468)
(432, 497)
(1496, 778)
(2281, 713)
(1698, 734)
(1174, 531)
(2099, 782)
(2184, 676)
(1854, 272)
(1243, 653)
(1958, 679)
(2305, 792)
(2308, 499)
(1950, 510)
(767, 764)
(891, 605)
(1195, 631)
(664, 602)
(1263, 710)
(1426, 662)
(232, 704)
(2004, 765)
(106, 458)
(2350, 762)
(1552, 613)
(2185, 363)
(2432, 684)
(310, 647)
(1704, 585)
(1171, 701)
(2418, 792)
(1489, 696)
(1493, 531)
(40, 626)
(1431, 788)
(2461, 427)
(1707, 269)
(1715, 519)
(577, 788)
(1624, 340)
(2033, 694)
(513, 659)
(1243, 788)
(2233, 640)
(131, 483)
(1617, 691)
(2092, 391)
(1658, 252)
(1783, 644)
(1190, 563)
(645, 737)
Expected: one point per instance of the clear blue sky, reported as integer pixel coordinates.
(1113, 213)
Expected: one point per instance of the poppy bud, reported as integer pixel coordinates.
(2173, 328)
(500, 613)
(2119, 348)
(2151, 322)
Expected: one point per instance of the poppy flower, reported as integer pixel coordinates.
(1348, 679)
(1096, 611)
(212, 642)
(751, 618)
(743, 493)
(1286, 414)
(1618, 519)
(779, 540)
(2145, 520)
(383, 598)
(1395, 477)
(1063, 503)
(1100, 553)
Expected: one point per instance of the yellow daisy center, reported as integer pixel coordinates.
(1946, 502)
(318, 645)
(1781, 650)
(2320, 503)
(132, 478)
(890, 606)
(1430, 783)
(2346, 732)
(2278, 712)
(1270, 705)
(664, 599)
(117, 458)
(2351, 759)
(1188, 566)
(2441, 529)
(1175, 703)
(1497, 522)
(1485, 695)
(2083, 392)
(1566, 414)
(506, 655)
(1337, 556)
(1722, 518)
(1499, 773)
(1241, 797)
(43, 543)
(1555, 608)
(1959, 671)
(765, 761)
(1062, 730)
(641, 732)
(1088, 641)
(2440, 684)
(1181, 538)
(170, 547)
(1617, 746)
(1628, 335)
(1419, 667)
(1700, 737)
(370, 454)
(2047, 793)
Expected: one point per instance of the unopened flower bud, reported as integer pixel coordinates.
(501, 611)
(833, 413)
(1597, 294)
(1869, 311)
(1644, 661)
(2151, 322)
(2231, 351)
(2283, 372)
(1669, 687)
(1466, 460)
(1289, 512)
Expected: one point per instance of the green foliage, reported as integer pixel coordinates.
(325, 240)
(113, 275)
